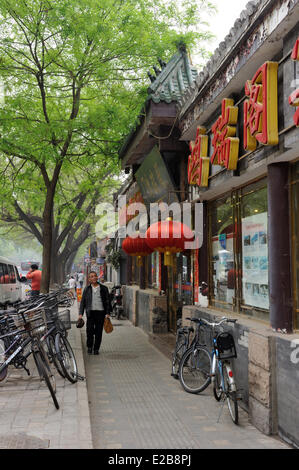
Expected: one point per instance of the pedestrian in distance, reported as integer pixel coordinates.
(36, 276)
(72, 285)
(96, 302)
(81, 279)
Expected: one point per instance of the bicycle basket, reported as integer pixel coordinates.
(226, 346)
(32, 321)
(65, 317)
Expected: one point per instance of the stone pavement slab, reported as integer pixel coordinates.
(29, 419)
(136, 404)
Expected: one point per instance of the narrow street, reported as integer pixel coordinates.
(136, 404)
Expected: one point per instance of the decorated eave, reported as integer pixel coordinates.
(256, 34)
(167, 87)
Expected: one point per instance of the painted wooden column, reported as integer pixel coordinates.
(280, 293)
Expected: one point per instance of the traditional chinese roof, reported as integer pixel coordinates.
(241, 26)
(173, 80)
(167, 87)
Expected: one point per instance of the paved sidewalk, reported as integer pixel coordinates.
(136, 404)
(29, 419)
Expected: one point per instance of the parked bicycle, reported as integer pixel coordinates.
(39, 328)
(199, 367)
(24, 340)
(182, 344)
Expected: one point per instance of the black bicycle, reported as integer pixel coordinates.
(183, 335)
(23, 340)
(195, 365)
(59, 348)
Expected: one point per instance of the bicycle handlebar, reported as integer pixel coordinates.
(212, 324)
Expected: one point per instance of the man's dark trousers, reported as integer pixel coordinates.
(94, 329)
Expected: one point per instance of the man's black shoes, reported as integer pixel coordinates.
(89, 351)
(96, 352)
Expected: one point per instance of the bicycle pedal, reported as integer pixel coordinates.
(80, 377)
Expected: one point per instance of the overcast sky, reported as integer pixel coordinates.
(223, 21)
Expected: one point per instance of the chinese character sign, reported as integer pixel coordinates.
(199, 162)
(294, 97)
(261, 108)
(225, 144)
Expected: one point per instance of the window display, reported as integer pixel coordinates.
(295, 238)
(254, 226)
(239, 250)
(223, 266)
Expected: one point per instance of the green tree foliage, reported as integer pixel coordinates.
(74, 73)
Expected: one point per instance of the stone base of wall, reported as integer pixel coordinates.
(146, 309)
(267, 367)
(262, 382)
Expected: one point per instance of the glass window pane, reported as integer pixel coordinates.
(12, 274)
(223, 267)
(295, 212)
(254, 226)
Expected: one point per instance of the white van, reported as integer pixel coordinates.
(11, 286)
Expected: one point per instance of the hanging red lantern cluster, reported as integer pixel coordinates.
(168, 237)
(136, 247)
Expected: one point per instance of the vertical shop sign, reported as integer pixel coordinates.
(225, 144)
(199, 162)
(261, 109)
(294, 97)
(160, 272)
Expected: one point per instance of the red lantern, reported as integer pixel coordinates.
(136, 247)
(168, 237)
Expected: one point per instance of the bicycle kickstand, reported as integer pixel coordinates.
(80, 377)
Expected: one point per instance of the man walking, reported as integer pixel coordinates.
(35, 275)
(96, 302)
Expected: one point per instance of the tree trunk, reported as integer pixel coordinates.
(47, 240)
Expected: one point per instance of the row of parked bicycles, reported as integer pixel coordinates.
(38, 327)
(202, 356)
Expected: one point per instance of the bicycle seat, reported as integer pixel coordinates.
(186, 329)
(196, 320)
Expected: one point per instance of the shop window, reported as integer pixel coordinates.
(155, 269)
(222, 265)
(239, 251)
(182, 279)
(254, 233)
(295, 238)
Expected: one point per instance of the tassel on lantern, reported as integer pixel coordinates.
(168, 258)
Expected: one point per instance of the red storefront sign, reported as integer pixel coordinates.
(199, 162)
(225, 144)
(294, 97)
(261, 109)
(260, 123)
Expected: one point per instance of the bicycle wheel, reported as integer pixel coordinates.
(194, 370)
(176, 357)
(231, 396)
(66, 358)
(53, 355)
(45, 374)
(217, 387)
(3, 373)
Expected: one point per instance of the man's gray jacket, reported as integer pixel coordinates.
(86, 301)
